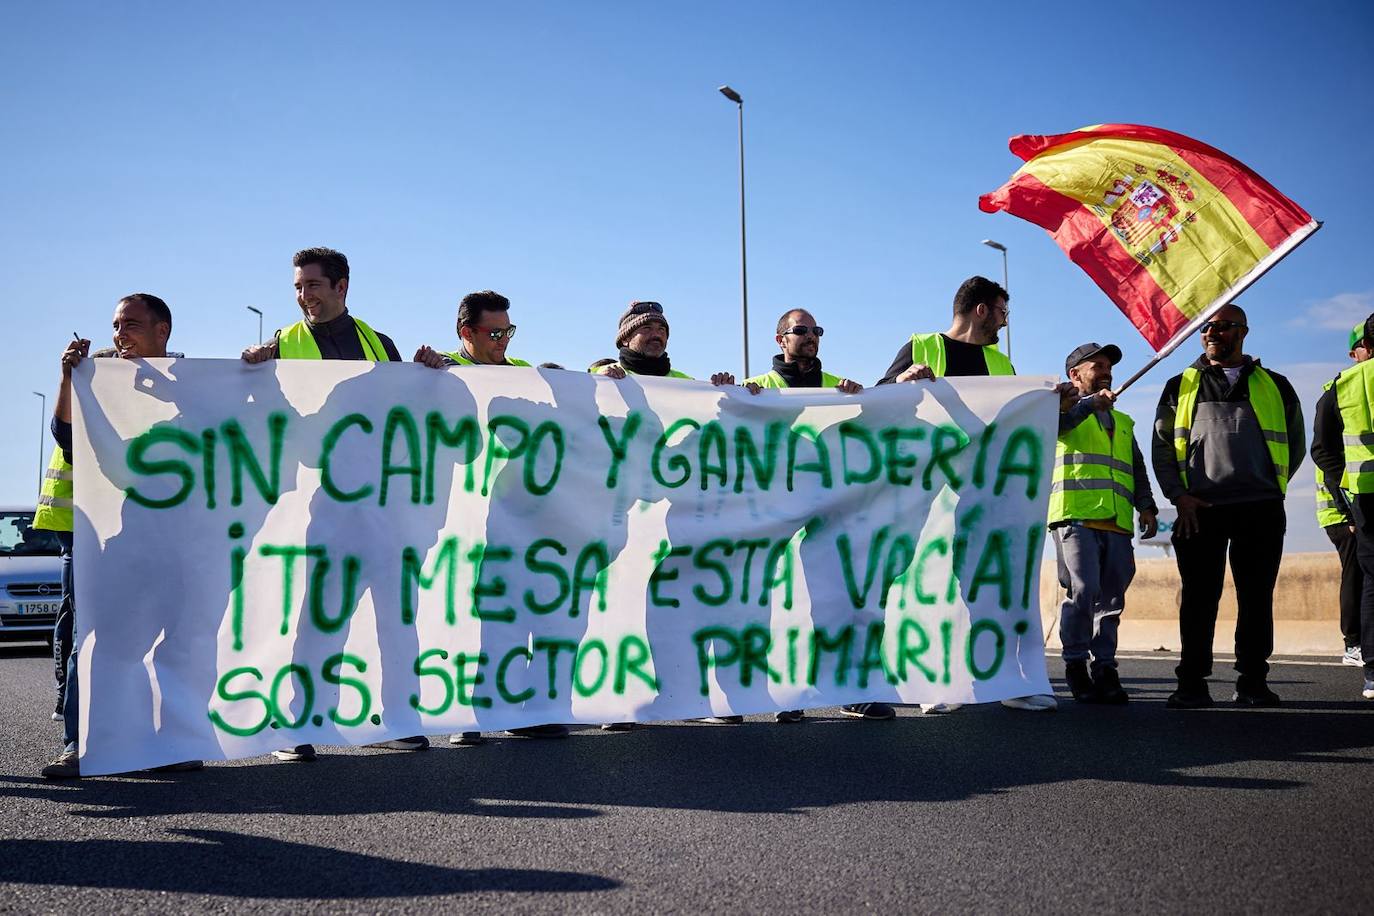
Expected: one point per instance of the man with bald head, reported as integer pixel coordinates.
(1228, 436)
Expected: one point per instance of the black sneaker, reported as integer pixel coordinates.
(1190, 695)
(1254, 692)
(789, 716)
(875, 711)
(1080, 681)
(301, 753)
(1107, 687)
(67, 765)
(619, 726)
(418, 743)
(540, 731)
(57, 712)
(466, 739)
(722, 720)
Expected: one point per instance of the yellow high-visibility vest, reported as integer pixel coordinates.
(1094, 475)
(929, 350)
(54, 512)
(1265, 400)
(296, 342)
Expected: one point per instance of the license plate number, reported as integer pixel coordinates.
(38, 608)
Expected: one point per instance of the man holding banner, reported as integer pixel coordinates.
(142, 326)
(327, 331)
(798, 365)
(1228, 436)
(484, 330)
(968, 348)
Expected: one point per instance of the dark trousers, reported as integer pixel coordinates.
(1352, 581)
(1253, 532)
(63, 625)
(1364, 552)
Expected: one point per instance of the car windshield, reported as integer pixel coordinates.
(18, 537)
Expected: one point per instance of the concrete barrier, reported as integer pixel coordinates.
(1306, 607)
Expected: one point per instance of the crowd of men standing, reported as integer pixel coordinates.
(1227, 437)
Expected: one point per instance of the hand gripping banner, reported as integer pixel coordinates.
(344, 552)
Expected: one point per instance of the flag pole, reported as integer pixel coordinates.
(1244, 283)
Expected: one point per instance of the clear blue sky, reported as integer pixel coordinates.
(576, 156)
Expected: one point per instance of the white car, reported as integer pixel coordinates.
(30, 576)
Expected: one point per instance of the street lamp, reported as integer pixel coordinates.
(735, 97)
(42, 425)
(1003, 248)
(257, 312)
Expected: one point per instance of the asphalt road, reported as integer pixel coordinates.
(1089, 809)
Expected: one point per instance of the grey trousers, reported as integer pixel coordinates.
(1095, 568)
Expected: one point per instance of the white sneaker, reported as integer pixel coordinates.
(1368, 692)
(1352, 657)
(936, 709)
(1040, 702)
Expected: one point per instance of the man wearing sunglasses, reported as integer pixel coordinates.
(1228, 436)
(484, 332)
(1343, 449)
(798, 365)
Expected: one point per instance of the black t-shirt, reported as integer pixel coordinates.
(961, 359)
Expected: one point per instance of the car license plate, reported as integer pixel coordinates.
(38, 608)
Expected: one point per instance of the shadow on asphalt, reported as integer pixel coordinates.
(236, 865)
(758, 767)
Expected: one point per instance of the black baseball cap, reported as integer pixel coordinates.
(1088, 351)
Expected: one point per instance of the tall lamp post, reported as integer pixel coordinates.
(1006, 286)
(257, 312)
(42, 425)
(735, 97)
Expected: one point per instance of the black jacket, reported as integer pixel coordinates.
(1228, 460)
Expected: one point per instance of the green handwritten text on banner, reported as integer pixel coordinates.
(343, 552)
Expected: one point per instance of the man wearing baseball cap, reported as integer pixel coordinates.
(1100, 482)
(1342, 447)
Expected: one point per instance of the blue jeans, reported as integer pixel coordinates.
(63, 625)
(1095, 568)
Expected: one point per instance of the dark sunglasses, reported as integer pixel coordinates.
(802, 330)
(644, 308)
(496, 333)
(1221, 325)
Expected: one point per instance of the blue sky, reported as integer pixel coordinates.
(576, 156)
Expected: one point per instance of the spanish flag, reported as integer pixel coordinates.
(1171, 229)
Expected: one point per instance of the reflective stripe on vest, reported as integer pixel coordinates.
(1094, 474)
(1354, 396)
(54, 511)
(296, 342)
(1265, 401)
(1328, 513)
(771, 379)
(929, 350)
(462, 359)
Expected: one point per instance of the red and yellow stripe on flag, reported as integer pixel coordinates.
(1170, 228)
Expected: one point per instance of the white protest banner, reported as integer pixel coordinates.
(343, 552)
